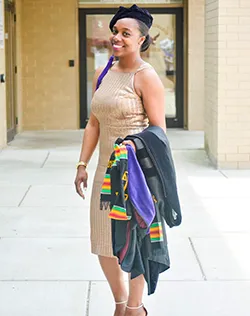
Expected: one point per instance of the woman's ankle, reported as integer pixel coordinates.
(137, 312)
(120, 309)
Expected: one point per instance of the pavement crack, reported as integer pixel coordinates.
(25, 194)
(223, 174)
(88, 298)
(198, 259)
(45, 160)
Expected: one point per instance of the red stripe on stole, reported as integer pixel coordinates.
(113, 215)
(106, 183)
(155, 235)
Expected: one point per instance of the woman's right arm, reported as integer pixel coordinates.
(90, 140)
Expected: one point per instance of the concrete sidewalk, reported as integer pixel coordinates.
(46, 268)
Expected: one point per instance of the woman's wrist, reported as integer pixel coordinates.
(82, 164)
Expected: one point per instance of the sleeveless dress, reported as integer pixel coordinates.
(120, 112)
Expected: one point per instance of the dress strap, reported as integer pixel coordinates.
(144, 66)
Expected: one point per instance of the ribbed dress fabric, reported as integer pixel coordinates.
(120, 112)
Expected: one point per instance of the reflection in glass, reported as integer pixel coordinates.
(161, 55)
(98, 47)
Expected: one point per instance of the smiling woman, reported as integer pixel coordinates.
(130, 97)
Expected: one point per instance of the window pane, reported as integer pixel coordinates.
(161, 55)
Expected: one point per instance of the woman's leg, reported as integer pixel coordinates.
(114, 275)
(136, 287)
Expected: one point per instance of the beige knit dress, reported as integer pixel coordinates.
(120, 112)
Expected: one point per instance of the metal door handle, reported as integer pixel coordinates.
(2, 78)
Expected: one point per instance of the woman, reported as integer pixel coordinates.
(130, 97)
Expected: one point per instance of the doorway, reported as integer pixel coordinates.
(165, 55)
(10, 58)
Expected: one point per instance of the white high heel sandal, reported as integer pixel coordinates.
(138, 307)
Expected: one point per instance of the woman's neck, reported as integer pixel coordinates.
(129, 63)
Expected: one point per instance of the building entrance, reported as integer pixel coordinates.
(165, 55)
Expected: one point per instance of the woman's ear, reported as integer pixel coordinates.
(141, 40)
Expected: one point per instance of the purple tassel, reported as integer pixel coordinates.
(104, 72)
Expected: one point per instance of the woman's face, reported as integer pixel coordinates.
(126, 37)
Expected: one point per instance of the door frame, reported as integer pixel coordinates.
(9, 7)
(177, 122)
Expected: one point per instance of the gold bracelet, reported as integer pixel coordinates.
(81, 163)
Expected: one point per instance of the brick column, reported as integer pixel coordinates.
(49, 85)
(227, 83)
(195, 65)
(3, 136)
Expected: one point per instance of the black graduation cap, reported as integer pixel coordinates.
(133, 12)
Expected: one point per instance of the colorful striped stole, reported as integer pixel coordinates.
(156, 233)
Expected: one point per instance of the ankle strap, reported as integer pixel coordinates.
(138, 307)
(120, 303)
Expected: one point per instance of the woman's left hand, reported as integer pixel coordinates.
(129, 142)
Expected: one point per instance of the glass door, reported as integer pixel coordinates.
(162, 56)
(165, 55)
(98, 48)
(10, 58)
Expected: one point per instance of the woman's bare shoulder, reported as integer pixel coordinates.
(146, 79)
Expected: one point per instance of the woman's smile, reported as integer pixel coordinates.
(117, 47)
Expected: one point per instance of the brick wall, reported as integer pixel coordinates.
(211, 77)
(196, 64)
(48, 98)
(228, 82)
(49, 37)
